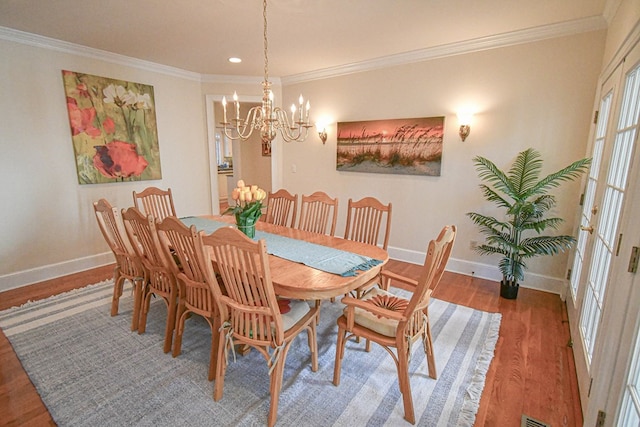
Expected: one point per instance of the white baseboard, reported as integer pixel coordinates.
(35, 275)
(539, 282)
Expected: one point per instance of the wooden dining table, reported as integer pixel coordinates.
(298, 281)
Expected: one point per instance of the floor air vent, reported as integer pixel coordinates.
(527, 421)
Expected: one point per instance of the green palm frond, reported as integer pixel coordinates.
(512, 269)
(569, 173)
(525, 171)
(545, 245)
(487, 221)
(491, 195)
(490, 250)
(489, 172)
(502, 240)
(543, 224)
(545, 201)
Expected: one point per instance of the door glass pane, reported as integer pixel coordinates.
(630, 410)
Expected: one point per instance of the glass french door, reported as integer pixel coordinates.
(629, 414)
(612, 150)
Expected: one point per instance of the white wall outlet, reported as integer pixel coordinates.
(294, 168)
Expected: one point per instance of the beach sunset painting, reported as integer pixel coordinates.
(394, 146)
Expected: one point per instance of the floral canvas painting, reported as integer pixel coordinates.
(113, 129)
(395, 146)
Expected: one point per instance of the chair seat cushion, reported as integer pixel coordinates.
(297, 310)
(381, 325)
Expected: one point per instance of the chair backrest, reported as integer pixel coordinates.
(142, 229)
(281, 208)
(364, 221)
(438, 253)
(250, 304)
(315, 212)
(178, 242)
(114, 232)
(156, 202)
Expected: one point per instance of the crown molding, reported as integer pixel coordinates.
(35, 40)
(240, 80)
(528, 35)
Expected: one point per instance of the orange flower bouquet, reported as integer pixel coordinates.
(248, 207)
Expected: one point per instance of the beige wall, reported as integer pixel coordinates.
(530, 95)
(47, 224)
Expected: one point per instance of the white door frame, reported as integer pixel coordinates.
(211, 142)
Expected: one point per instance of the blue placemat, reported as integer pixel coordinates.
(323, 258)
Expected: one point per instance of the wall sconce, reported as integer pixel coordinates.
(464, 119)
(322, 132)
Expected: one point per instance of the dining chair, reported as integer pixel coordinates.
(162, 281)
(128, 264)
(364, 223)
(155, 201)
(178, 242)
(281, 208)
(250, 312)
(393, 321)
(316, 210)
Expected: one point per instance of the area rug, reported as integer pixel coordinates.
(91, 370)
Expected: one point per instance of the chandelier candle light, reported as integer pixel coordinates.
(266, 117)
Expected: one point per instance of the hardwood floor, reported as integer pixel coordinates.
(532, 372)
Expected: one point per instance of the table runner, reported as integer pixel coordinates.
(324, 258)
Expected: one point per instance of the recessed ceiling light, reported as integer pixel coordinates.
(235, 60)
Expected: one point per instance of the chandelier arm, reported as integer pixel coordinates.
(290, 130)
(244, 127)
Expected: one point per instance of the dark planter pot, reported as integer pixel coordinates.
(508, 290)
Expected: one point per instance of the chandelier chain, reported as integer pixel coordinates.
(266, 59)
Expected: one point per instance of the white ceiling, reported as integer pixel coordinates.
(303, 35)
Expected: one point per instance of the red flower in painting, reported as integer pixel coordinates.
(83, 90)
(119, 159)
(82, 119)
(109, 125)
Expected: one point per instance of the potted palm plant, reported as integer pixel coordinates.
(526, 201)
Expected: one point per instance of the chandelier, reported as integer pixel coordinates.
(267, 118)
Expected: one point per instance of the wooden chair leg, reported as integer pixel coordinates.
(180, 319)
(171, 323)
(144, 311)
(213, 358)
(118, 285)
(313, 345)
(138, 292)
(342, 334)
(221, 368)
(428, 350)
(276, 385)
(405, 386)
